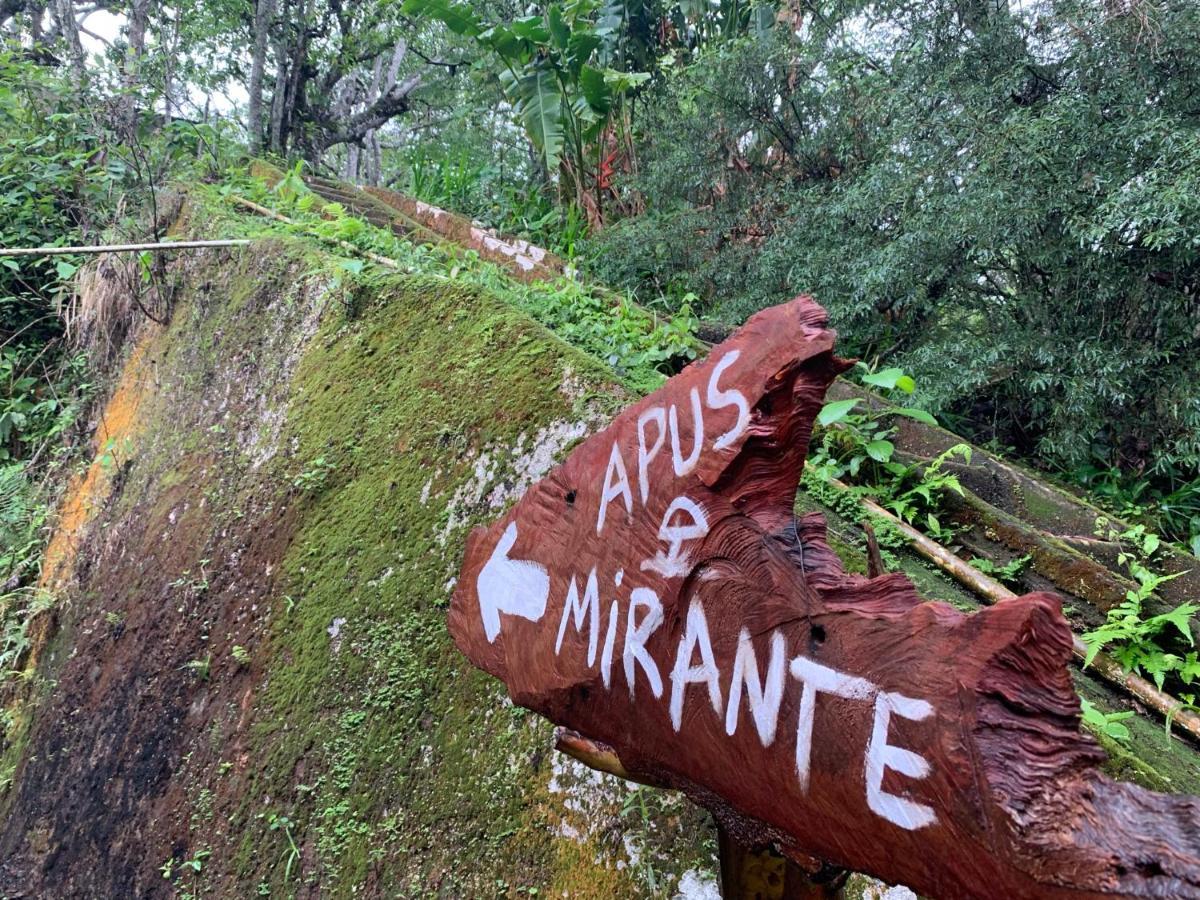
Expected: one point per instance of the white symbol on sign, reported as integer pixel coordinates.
(515, 586)
(690, 526)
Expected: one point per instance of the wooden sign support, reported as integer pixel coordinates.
(747, 873)
(656, 594)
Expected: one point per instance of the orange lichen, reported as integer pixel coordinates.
(111, 443)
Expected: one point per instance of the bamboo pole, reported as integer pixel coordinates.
(345, 245)
(122, 248)
(992, 590)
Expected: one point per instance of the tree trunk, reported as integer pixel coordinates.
(37, 12)
(64, 12)
(374, 159)
(279, 98)
(264, 14)
(169, 65)
(296, 79)
(139, 16)
(371, 138)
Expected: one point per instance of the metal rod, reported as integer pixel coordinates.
(122, 248)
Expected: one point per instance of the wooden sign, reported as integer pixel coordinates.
(656, 594)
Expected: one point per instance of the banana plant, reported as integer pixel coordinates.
(551, 71)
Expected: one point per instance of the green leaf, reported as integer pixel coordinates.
(540, 105)
(65, 269)
(836, 411)
(887, 379)
(934, 525)
(560, 31)
(880, 451)
(506, 45)
(911, 412)
(621, 82)
(1116, 730)
(595, 90)
(1181, 618)
(580, 49)
(16, 267)
(1093, 647)
(531, 29)
(457, 16)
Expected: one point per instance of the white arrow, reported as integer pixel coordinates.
(515, 586)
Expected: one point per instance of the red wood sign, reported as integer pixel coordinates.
(655, 593)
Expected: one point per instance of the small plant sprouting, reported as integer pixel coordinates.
(1107, 724)
(1008, 573)
(855, 442)
(196, 585)
(201, 668)
(240, 655)
(1132, 637)
(313, 478)
(195, 866)
(277, 822)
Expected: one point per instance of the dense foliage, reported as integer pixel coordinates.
(1004, 201)
(74, 169)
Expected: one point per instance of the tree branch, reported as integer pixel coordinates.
(452, 66)
(394, 102)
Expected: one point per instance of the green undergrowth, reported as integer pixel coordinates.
(641, 348)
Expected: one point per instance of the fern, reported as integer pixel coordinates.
(14, 499)
(18, 519)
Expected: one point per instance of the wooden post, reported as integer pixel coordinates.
(759, 873)
(763, 873)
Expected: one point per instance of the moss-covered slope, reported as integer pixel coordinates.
(253, 689)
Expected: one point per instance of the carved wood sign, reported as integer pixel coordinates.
(655, 593)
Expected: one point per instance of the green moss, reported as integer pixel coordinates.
(1150, 758)
(411, 763)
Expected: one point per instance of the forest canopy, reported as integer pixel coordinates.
(1001, 198)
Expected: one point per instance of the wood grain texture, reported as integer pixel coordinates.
(874, 730)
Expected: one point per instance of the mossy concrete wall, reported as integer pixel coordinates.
(250, 688)
(246, 686)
